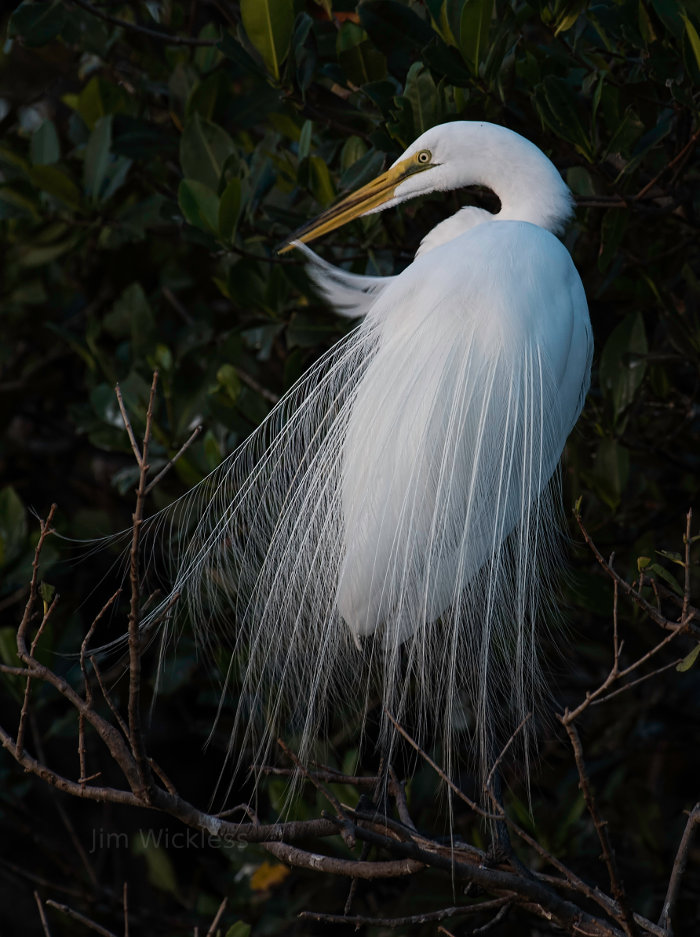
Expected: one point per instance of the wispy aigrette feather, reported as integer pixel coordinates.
(392, 527)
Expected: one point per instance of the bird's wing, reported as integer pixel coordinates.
(349, 294)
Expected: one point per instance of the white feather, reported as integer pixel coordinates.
(392, 526)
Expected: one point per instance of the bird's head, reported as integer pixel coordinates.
(451, 156)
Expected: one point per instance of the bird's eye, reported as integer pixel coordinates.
(424, 156)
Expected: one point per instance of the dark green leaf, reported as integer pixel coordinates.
(13, 525)
(97, 156)
(558, 108)
(473, 35)
(622, 364)
(230, 209)
(611, 471)
(268, 25)
(204, 148)
(239, 929)
(37, 23)
(56, 182)
(653, 569)
(611, 234)
(199, 204)
(45, 148)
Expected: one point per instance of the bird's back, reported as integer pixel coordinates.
(444, 460)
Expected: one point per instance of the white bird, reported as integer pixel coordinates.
(392, 528)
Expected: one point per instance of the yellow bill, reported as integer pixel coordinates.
(373, 195)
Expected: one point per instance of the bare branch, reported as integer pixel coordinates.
(441, 774)
(347, 829)
(144, 30)
(423, 918)
(135, 642)
(352, 868)
(42, 915)
(601, 829)
(679, 865)
(687, 542)
(169, 464)
(24, 714)
(127, 424)
(686, 624)
(108, 699)
(81, 918)
(217, 918)
(125, 906)
(674, 162)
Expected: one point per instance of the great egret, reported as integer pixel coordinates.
(392, 526)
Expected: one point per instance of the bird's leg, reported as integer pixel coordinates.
(501, 847)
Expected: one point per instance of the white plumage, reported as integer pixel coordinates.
(392, 527)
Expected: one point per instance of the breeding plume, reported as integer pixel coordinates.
(390, 532)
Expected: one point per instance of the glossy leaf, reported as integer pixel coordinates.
(97, 156)
(204, 148)
(37, 23)
(199, 204)
(474, 27)
(55, 182)
(558, 108)
(268, 25)
(689, 660)
(230, 209)
(622, 363)
(45, 147)
(611, 471)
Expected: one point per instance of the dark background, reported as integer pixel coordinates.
(143, 186)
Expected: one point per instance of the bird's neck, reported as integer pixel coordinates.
(528, 186)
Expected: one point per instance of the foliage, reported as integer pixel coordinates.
(152, 155)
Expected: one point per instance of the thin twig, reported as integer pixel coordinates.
(496, 919)
(642, 679)
(23, 653)
(108, 699)
(516, 732)
(217, 918)
(323, 774)
(77, 916)
(679, 865)
(127, 424)
(42, 915)
(676, 159)
(423, 918)
(63, 813)
(144, 30)
(135, 642)
(27, 688)
(347, 830)
(686, 561)
(169, 464)
(398, 791)
(441, 774)
(125, 906)
(257, 386)
(82, 750)
(651, 611)
(616, 885)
